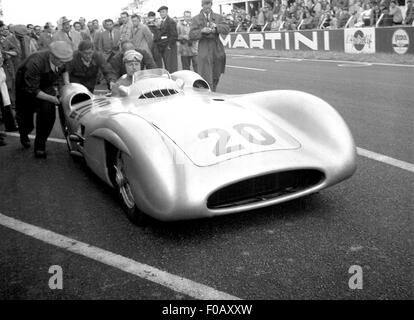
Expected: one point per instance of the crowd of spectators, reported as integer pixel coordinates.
(279, 15)
(90, 53)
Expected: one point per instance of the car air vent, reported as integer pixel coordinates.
(158, 93)
(264, 188)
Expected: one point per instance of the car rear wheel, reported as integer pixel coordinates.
(124, 191)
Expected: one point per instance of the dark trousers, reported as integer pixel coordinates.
(169, 56)
(157, 56)
(186, 62)
(45, 119)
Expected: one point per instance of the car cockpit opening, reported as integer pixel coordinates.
(80, 97)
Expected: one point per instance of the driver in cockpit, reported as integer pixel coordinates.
(132, 60)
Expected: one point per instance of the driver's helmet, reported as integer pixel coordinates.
(132, 56)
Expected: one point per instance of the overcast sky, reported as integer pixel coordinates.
(42, 11)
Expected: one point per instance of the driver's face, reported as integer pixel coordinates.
(132, 67)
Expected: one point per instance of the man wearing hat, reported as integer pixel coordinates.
(206, 27)
(66, 34)
(37, 80)
(167, 40)
(132, 60)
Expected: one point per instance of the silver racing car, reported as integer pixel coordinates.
(175, 150)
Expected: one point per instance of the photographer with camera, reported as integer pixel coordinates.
(187, 48)
(206, 28)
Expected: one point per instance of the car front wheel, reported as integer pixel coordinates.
(124, 191)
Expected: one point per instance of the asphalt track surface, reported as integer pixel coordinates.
(297, 250)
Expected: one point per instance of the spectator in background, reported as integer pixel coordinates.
(45, 37)
(98, 32)
(67, 34)
(396, 13)
(82, 22)
(343, 17)
(36, 32)
(167, 43)
(409, 13)
(265, 17)
(34, 39)
(154, 27)
(230, 21)
(307, 19)
(91, 31)
(13, 40)
(96, 26)
(117, 62)
(8, 51)
(291, 22)
(30, 28)
(141, 37)
(366, 14)
(277, 22)
(78, 28)
(187, 48)
(20, 31)
(375, 14)
(86, 64)
(206, 28)
(109, 40)
(387, 18)
(126, 27)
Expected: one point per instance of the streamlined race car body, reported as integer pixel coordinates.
(175, 150)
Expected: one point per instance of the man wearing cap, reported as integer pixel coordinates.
(37, 80)
(206, 27)
(167, 40)
(67, 35)
(132, 60)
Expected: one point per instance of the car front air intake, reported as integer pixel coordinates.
(264, 188)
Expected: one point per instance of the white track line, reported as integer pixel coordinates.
(173, 282)
(254, 69)
(12, 134)
(385, 159)
(324, 60)
(362, 152)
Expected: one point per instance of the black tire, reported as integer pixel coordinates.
(65, 129)
(123, 190)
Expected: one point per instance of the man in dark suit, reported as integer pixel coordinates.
(167, 41)
(109, 40)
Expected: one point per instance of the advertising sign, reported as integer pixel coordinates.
(359, 40)
(315, 40)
